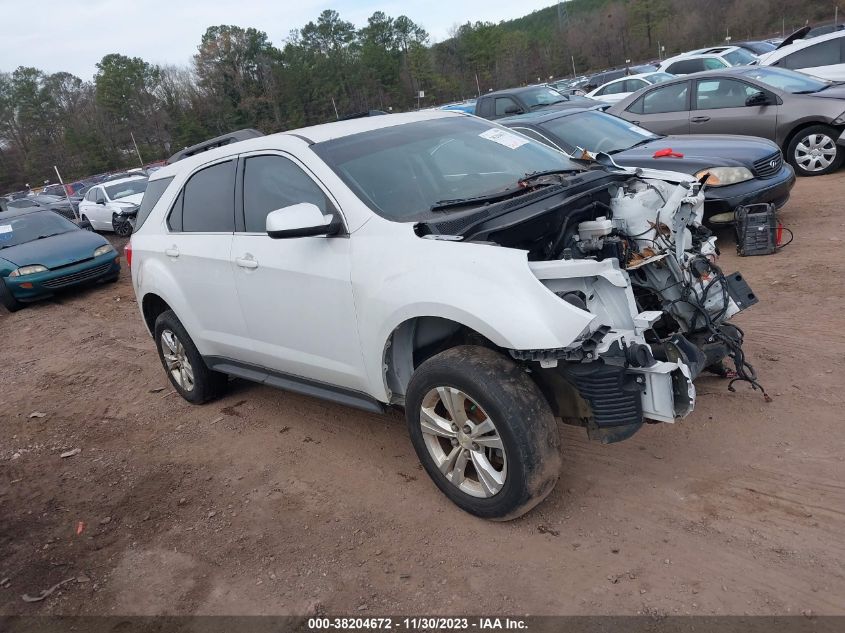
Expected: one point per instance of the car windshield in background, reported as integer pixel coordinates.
(128, 188)
(541, 96)
(597, 132)
(404, 170)
(740, 57)
(659, 78)
(787, 80)
(32, 226)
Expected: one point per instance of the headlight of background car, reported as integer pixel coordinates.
(721, 176)
(105, 248)
(28, 270)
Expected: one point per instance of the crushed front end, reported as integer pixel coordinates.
(630, 250)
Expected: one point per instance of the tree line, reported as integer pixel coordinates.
(329, 68)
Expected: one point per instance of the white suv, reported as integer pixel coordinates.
(439, 262)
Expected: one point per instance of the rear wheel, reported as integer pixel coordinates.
(813, 151)
(483, 432)
(185, 368)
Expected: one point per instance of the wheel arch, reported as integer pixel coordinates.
(417, 339)
(152, 305)
(803, 126)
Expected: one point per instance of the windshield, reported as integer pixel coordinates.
(27, 228)
(128, 188)
(740, 57)
(597, 132)
(787, 80)
(403, 170)
(659, 78)
(541, 96)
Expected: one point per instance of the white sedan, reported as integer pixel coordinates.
(106, 200)
(618, 89)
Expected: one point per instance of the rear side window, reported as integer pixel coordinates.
(274, 182)
(686, 67)
(671, 98)
(207, 202)
(821, 54)
(155, 189)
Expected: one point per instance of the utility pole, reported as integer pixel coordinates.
(136, 149)
(336, 115)
(67, 195)
(572, 57)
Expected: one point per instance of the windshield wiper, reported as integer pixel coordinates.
(549, 172)
(440, 205)
(645, 141)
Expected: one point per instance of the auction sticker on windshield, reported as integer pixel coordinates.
(5, 232)
(503, 137)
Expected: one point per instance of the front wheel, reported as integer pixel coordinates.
(7, 300)
(185, 368)
(483, 432)
(813, 151)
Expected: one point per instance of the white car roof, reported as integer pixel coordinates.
(117, 181)
(311, 134)
(637, 76)
(772, 56)
(717, 51)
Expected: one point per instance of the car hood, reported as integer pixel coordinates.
(56, 251)
(699, 152)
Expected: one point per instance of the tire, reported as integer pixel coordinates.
(486, 386)
(818, 138)
(206, 384)
(8, 301)
(85, 224)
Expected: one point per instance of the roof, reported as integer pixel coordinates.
(118, 181)
(542, 116)
(305, 135)
(797, 45)
(510, 91)
(713, 51)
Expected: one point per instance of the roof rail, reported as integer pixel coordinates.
(213, 143)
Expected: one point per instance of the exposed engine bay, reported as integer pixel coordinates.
(631, 250)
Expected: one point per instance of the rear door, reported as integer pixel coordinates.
(295, 293)
(664, 109)
(719, 107)
(197, 250)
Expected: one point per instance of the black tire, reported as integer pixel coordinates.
(805, 137)
(523, 421)
(8, 301)
(85, 224)
(207, 384)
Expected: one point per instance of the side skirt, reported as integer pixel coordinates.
(297, 384)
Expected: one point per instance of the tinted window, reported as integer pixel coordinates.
(672, 98)
(208, 204)
(686, 67)
(273, 182)
(502, 105)
(713, 63)
(712, 94)
(632, 85)
(821, 54)
(596, 132)
(153, 194)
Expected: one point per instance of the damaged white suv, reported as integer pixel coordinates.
(441, 263)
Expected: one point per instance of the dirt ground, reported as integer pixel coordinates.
(266, 502)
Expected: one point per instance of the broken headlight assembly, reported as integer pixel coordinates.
(721, 176)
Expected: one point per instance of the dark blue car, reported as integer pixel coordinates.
(42, 253)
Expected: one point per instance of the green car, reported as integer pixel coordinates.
(42, 253)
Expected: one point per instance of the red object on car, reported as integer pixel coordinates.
(667, 153)
(127, 250)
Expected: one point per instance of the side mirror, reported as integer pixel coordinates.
(757, 99)
(300, 220)
(514, 110)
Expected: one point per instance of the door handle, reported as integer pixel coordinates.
(247, 261)
(172, 251)
(700, 119)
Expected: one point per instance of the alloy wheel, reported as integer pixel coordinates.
(815, 152)
(176, 360)
(463, 442)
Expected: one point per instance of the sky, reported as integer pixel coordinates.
(73, 35)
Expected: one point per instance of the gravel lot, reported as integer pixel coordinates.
(266, 502)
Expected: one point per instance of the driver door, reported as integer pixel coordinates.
(719, 107)
(295, 293)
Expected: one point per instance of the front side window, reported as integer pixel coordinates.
(713, 63)
(615, 88)
(821, 54)
(207, 202)
(540, 96)
(712, 94)
(632, 85)
(403, 170)
(671, 98)
(274, 182)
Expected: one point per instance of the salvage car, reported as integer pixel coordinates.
(618, 89)
(703, 59)
(442, 263)
(502, 103)
(737, 170)
(804, 115)
(105, 205)
(42, 253)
